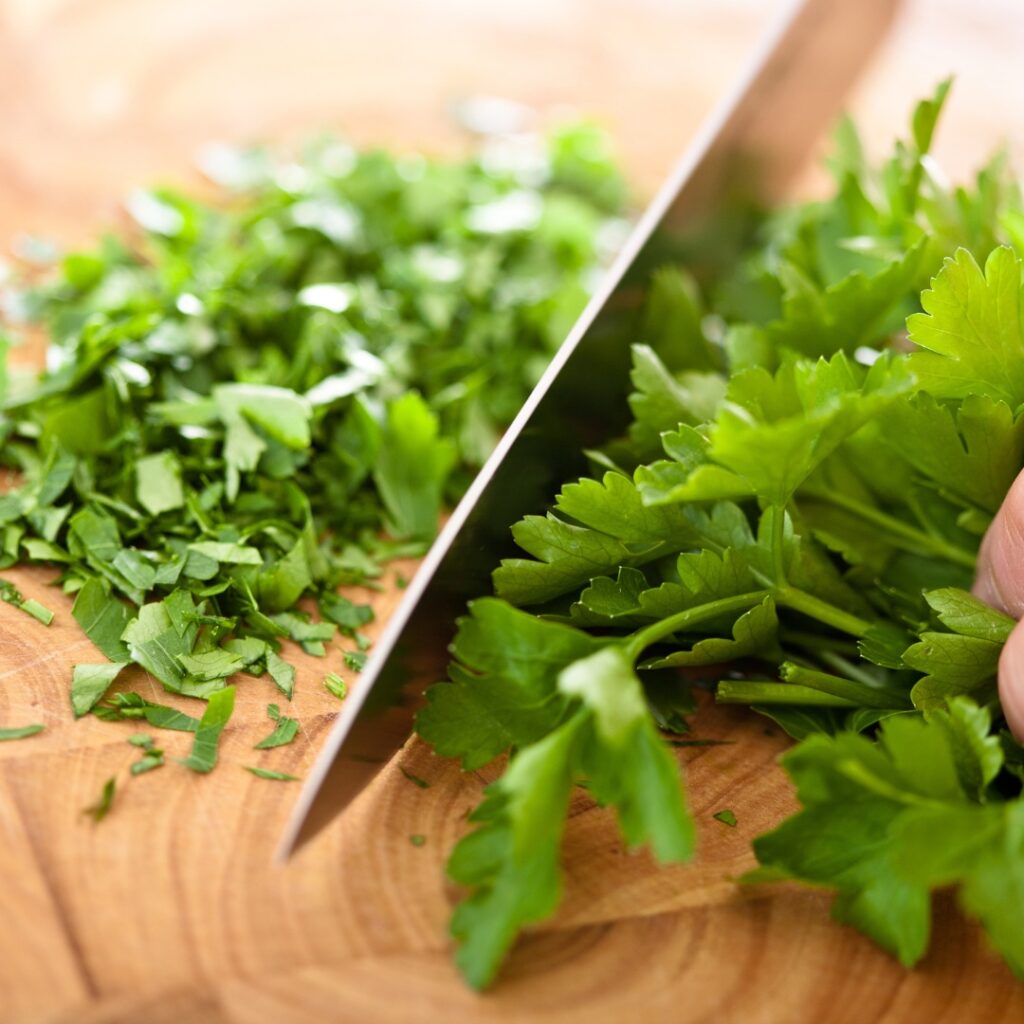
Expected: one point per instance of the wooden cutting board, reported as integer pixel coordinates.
(169, 911)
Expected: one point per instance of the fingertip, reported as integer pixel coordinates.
(984, 581)
(1000, 575)
(1011, 681)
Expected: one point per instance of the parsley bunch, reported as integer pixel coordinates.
(819, 439)
(251, 400)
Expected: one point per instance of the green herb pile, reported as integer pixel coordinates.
(252, 400)
(820, 437)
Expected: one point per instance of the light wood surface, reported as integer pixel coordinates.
(169, 911)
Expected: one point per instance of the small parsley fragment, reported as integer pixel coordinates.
(281, 672)
(346, 614)
(335, 685)
(355, 660)
(99, 810)
(726, 817)
(10, 593)
(89, 683)
(20, 732)
(123, 706)
(285, 729)
(417, 839)
(266, 773)
(414, 779)
(218, 711)
(152, 756)
(102, 618)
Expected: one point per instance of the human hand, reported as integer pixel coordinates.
(1000, 583)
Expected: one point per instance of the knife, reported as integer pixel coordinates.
(749, 150)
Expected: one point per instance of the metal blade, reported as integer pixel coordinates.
(752, 146)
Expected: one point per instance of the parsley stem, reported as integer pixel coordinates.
(651, 634)
(790, 597)
(818, 643)
(766, 691)
(779, 544)
(843, 666)
(808, 604)
(862, 694)
(898, 528)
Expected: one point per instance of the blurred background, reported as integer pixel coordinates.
(99, 95)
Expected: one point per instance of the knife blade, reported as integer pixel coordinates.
(750, 149)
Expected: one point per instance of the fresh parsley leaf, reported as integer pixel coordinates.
(971, 331)
(857, 310)
(99, 810)
(884, 823)
(511, 861)
(661, 400)
(965, 614)
(799, 496)
(973, 452)
(503, 691)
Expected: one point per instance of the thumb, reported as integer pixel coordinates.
(1000, 583)
(1011, 681)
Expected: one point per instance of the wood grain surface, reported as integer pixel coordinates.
(170, 911)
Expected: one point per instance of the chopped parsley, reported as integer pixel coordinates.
(219, 707)
(355, 660)
(123, 706)
(20, 732)
(99, 810)
(335, 685)
(285, 729)
(415, 779)
(253, 401)
(152, 757)
(266, 773)
(10, 593)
